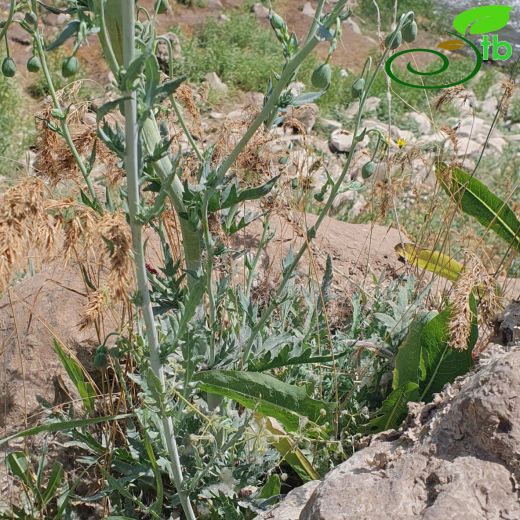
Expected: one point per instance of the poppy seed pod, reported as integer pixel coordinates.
(322, 76)
(358, 88)
(34, 64)
(394, 40)
(410, 32)
(69, 67)
(8, 67)
(368, 169)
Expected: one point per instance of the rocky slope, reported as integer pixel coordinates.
(456, 458)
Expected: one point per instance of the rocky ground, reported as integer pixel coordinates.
(455, 458)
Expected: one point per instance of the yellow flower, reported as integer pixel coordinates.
(401, 143)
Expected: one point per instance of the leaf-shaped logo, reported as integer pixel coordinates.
(484, 19)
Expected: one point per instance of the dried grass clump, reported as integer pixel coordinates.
(103, 240)
(474, 280)
(26, 228)
(509, 87)
(185, 96)
(55, 161)
(255, 158)
(450, 94)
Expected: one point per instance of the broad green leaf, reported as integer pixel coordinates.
(483, 19)
(433, 261)
(394, 408)
(442, 364)
(476, 200)
(63, 426)
(271, 488)
(266, 395)
(409, 366)
(78, 377)
(289, 451)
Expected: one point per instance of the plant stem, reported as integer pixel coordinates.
(111, 29)
(311, 233)
(132, 173)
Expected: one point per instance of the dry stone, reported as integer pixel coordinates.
(456, 458)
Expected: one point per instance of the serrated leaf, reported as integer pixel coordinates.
(483, 19)
(233, 196)
(433, 261)
(409, 367)
(476, 200)
(442, 364)
(168, 88)
(266, 395)
(106, 108)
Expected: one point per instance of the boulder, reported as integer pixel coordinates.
(308, 10)
(260, 10)
(216, 83)
(329, 124)
(422, 121)
(340, 141)
(293, 504)
(456, 458)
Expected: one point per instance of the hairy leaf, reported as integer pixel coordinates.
(266, 395)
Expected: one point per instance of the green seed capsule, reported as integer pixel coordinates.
(320, 197)
(34, 64)
(31, 18)
(161, 6)
(8, 67)
(368, 169)
(410, 32)
(69, 67)
(397, 38)
(322, 76)
(101, 358)
(277, 22)
(358, 88)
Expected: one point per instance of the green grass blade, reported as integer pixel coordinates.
(63, 426)
(76, 374)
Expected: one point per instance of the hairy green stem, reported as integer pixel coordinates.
(132, 174)
(111, 35)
